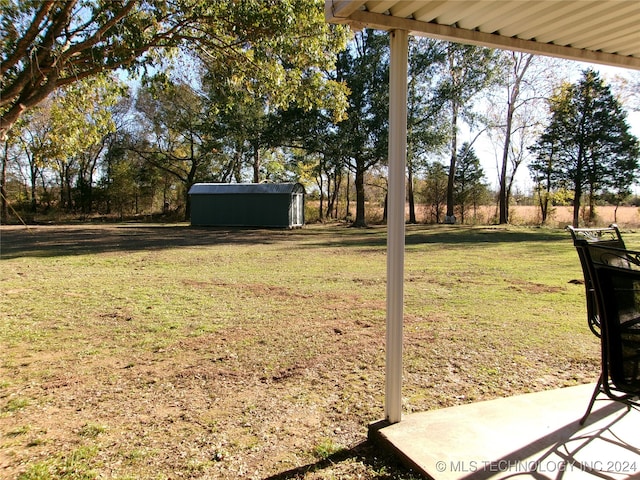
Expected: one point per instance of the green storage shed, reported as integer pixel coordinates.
(247, 204)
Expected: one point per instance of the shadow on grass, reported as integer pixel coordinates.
(383, 465)
(64, 240)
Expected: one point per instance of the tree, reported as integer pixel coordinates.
(516, 117)
(435, 191)
(65, 133)
(244, 122)
(4, 210)
(121, 179)
(544, 172)
(178, 139)
(623, 176)
(427, 129)
(80, 117)
(314, 137)
(278, 46)
(518, 65)
(33, 130)
(587, 143)
(9, 147)
(468, 179)
(362, 137)
(468, 70)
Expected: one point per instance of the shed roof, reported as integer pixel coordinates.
(598, 31)
(245, 188)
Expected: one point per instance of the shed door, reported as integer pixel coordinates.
(297, 210)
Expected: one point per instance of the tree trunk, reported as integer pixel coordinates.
(256, 164)
(450, 217)
(347, 214)
(45, 193)
(330, 196)
(578, 183)
(336, 193)
(4, 214)
(237, 166)
(386, 207)
(359, 183)
(410, 192)
(520, 70)
(592, 204)
(191, 179)
(412, 202)
(504, 197)
(543, 203)
(576, 206)
(320, 184)
(33, 172)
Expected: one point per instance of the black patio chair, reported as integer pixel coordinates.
(583, 238)
(616, 286)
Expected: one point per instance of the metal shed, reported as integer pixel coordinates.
(247, 204)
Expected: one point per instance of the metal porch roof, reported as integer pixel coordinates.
(597, 31)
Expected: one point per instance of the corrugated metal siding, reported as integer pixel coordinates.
(247, 205)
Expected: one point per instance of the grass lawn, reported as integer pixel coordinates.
(166, 351)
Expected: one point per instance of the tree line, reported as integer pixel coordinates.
(128, 107)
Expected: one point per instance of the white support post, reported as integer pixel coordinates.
(396, 221)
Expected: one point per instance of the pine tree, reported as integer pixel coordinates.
(468, 178)
(587, 144)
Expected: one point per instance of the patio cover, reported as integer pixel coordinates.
(598, 31)
(606, 32)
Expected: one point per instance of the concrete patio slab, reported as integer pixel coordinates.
(532, 436)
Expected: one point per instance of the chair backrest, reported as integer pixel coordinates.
(609, 235)
(583, 239)
(586, 237)
(617, 293)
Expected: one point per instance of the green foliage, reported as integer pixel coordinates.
(466, 71)
(427, 128)
(71, 121)
(175, 137)
(469, 180)
(74, 466)
(587, 146)
(276, 48)
(250, 57)
(15, 404)
(92, 430)
(362, 138)
(80, 116)
(435, 191)
(325, 448)
(562, 196)
(65, 135)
